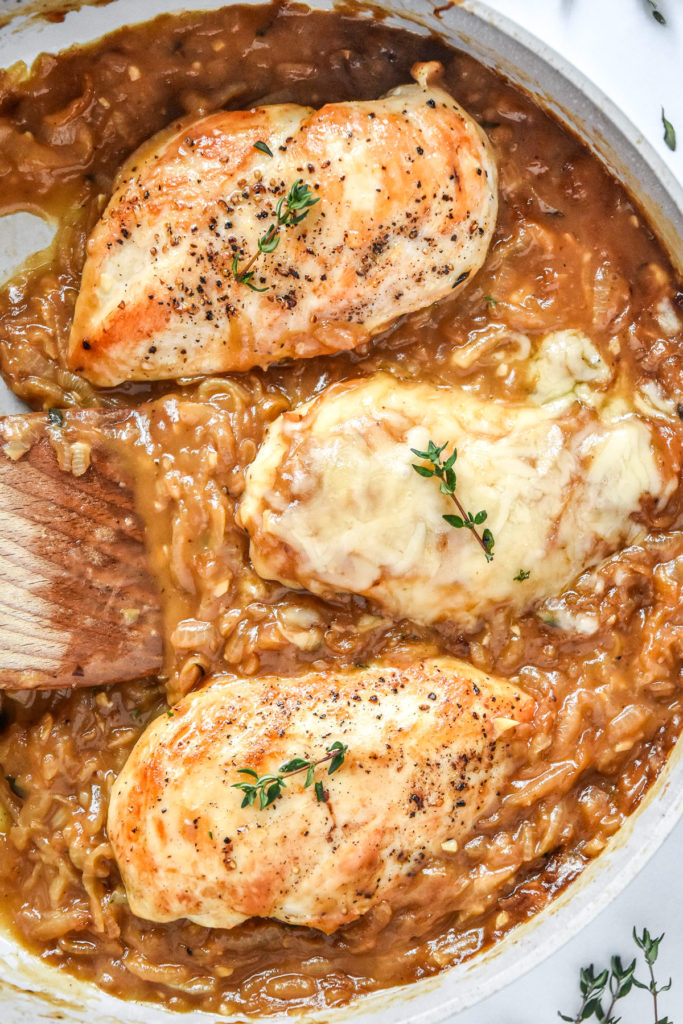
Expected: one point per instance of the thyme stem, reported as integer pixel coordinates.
(655, 992)
(446, 474)
(462, 512)
(267, 238)
(313, 764)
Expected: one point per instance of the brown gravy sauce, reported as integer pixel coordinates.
(570, 252)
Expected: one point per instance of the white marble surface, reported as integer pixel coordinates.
(639, 65)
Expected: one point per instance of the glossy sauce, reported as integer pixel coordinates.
(570, 252)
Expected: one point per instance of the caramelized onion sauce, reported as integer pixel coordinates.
(570, 252)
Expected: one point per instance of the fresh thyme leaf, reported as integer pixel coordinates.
(299, 202)
(295, 765)
(263, 148)
(268, 243)
(338, 750)
(523, 574)
(490, 301)
(319, 793)
(446, 475)
(669, 132)
(656, 13)
(56, 417)
(267, 788)
(254, 287)
(292, 209)
(622, 979)
(270, 795)
(649, 946)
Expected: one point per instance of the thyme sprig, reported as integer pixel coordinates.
(615, 983)
(601, 992)
(289, 211)
(267, 788)
(446, 474)
(650, 948)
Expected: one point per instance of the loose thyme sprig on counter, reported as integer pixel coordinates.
(289, 212)
(446, 474)
(600, 992)
(269, 787)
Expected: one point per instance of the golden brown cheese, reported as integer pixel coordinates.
(428, 748)
(407, 205)
(332, 502)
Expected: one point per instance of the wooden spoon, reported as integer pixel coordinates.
(78, 606)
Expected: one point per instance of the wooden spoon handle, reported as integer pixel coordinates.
(78, 606)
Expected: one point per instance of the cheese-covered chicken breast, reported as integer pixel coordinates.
(406, 202)
(333, 503)
(428, 748)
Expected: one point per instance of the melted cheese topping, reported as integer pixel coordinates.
(565, 361)
(332, 502)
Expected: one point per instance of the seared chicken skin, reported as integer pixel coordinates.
(407, 205)
(428, 749)
(332, 502)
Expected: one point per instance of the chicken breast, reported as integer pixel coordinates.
(406, 202)
(332, 502)
(428, 749)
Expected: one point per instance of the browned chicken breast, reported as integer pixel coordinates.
(406, 202)
(428, 749)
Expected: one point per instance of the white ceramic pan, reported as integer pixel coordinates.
(31, 991)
